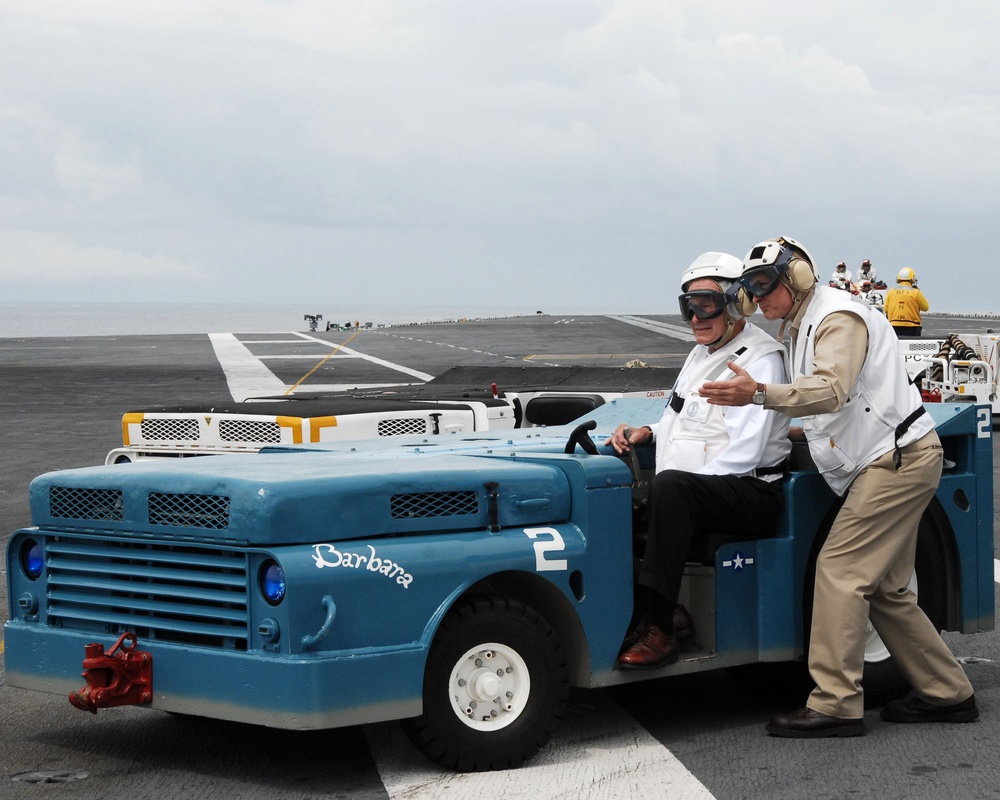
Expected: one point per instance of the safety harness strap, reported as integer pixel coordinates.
(901, 429)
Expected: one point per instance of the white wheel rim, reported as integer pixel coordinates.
(489, 686)
(875, 649)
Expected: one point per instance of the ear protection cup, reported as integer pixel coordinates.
(801, 275)
(743, 303)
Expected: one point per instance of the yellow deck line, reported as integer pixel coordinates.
(329, 355)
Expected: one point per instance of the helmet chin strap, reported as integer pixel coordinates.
(727, 335)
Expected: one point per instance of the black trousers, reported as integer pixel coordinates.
(907, 331)
(684, 505)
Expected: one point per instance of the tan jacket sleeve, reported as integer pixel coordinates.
(841, 345)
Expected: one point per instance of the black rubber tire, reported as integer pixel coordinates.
(443, 735)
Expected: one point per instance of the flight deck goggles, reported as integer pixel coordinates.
(761, 281)
(703, 304)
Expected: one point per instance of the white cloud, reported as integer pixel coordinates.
(43, 259)
(519, 136)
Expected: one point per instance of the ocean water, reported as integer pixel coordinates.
(22, 320)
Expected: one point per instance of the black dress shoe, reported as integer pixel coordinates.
(683, 624)
(808, 724)
(913, 709)
(654, 649)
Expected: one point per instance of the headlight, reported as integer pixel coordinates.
(272, 582)
(32, 559)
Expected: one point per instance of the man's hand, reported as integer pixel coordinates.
(736, 391)
(626, 435)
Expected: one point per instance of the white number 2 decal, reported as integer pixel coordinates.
(556, 545)
(985, 419)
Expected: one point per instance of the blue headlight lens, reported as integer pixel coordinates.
(32, 559)
(272, 582)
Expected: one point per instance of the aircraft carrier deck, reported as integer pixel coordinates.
(695, 736)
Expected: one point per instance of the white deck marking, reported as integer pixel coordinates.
(248, 377)
(244, 372)
(673, 331)
(996, 570)
(599, 752)
(423, 376)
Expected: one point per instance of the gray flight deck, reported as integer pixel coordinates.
(694, 736)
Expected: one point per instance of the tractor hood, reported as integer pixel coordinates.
(287, 498)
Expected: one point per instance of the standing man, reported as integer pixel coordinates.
(873, 442)
(713, 464)
(904, 304)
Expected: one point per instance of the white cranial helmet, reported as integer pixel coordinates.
(725, 270)
(720, 267)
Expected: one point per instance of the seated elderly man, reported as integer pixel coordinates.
(713, 466)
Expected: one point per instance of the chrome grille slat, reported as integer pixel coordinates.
(167, 591)
(79, 600)
(132, 622)
(164, 572)
(168, 555)
(110, 586)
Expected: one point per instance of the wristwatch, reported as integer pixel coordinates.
(759, 395)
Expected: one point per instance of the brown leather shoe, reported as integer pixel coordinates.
(683, 624)
(634, 635)
(655, 649)
(808, 724)
(913, 709)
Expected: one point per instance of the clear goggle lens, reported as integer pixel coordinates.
(761, 281)
(704, 304)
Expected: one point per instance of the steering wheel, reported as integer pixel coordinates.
(581, 436)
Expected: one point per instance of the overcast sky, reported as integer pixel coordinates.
(518, 153)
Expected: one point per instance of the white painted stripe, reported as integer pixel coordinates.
(312, 356)
(996, 570)
(674, 331)
(245, 374)
(599, 752)
(397, 367)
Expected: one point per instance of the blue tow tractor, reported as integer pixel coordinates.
(462, 587)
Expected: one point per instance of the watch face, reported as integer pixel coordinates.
(758, 397)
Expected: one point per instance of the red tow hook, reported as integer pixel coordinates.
(121, 677)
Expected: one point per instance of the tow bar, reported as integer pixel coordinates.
(121, 677)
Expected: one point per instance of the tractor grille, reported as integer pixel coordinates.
(96, 504)
(169, 429)
(249, 430)
(189, 510)
(188, 595)
(401, 427)
(433, 504)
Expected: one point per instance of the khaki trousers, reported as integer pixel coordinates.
(862, 573)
